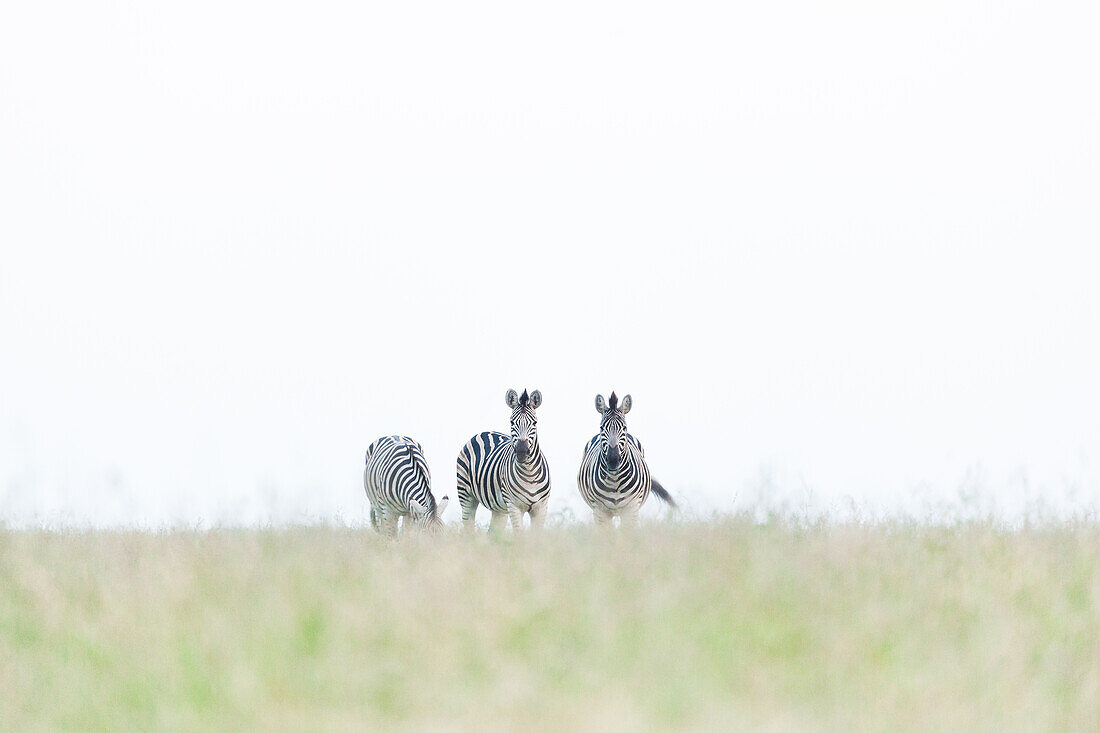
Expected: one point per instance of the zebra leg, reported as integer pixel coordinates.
(538, 515)
(496, 523)
(374, 518)
(515, 516)
(601, 517)
(388, 522)
(469, 511)
(468, 502)
(629, 518)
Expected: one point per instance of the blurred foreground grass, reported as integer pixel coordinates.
(696, 625)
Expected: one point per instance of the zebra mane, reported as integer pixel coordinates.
(524, 399)
(613, 401)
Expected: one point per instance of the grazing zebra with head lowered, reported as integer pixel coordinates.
(508, 474)
(614, 479)
(398, 484)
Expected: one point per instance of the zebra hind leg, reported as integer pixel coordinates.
(466, 501)
(469, 510)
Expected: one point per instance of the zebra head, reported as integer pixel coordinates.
(613, 428)
(524, 423)
(430, 517)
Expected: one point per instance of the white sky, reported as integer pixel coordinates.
(832, 249)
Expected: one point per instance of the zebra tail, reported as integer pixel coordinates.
(663, 495)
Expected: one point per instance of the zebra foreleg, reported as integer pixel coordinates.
(538, 515)
(601, 517)
(388, 522)
(628, 518)
(496, 523)
(516, 518)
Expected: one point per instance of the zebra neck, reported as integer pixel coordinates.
(625, 466)
(614, 472)
(530, 467)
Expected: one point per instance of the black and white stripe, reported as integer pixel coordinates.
(506, 473)
(614, 479)
(398, 484)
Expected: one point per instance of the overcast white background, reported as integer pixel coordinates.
(837, 252)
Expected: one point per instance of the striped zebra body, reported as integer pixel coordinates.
(614, 479)
(398, 484)
(614, 492)
(508, 474)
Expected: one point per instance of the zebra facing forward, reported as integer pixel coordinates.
(614, 479)
(398, 484)
(508, 474)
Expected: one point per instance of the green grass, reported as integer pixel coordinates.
(701, 625)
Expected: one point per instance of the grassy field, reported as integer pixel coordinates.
(699, 625)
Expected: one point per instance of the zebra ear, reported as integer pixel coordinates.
(536, 399)
(626, 404)
(601, 406)
(416, 508)
(441, 505)
(511, 398)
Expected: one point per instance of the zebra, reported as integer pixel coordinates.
(614, 479)
(398, 484)
(508, 474)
